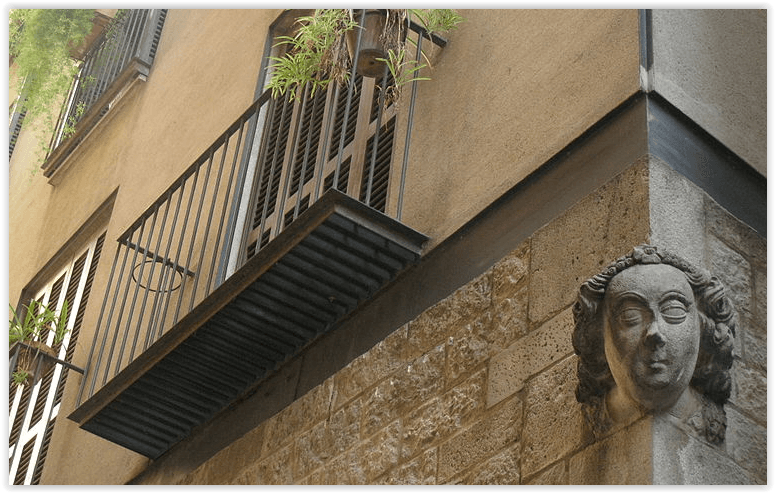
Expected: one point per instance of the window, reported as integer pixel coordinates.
(33, 409)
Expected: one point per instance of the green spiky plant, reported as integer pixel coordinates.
(33, 330)
(317, 54)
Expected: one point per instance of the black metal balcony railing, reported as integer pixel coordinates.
(226, 274)
(124, 51)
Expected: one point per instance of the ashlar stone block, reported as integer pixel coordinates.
(502, 468)
(420, 470)
(492, 432)
(554, 424)
(622, 458)
(530, 354)
(746, 443)
(556, 474)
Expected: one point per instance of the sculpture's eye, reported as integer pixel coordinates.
(674, 312)
(631, 316)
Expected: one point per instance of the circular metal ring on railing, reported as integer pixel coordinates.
(157, 276)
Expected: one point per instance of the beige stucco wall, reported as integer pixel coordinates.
(712, 65)
(511, 89)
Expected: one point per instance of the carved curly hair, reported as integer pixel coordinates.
(718, 323)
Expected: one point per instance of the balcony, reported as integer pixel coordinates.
(122, 55)
(283, 227)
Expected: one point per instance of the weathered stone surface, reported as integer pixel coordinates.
(622, 458)
(345, 468)
(313, 449)
(749, 391)
(601, 227)
(502, 468)
(380, 452)
(435, 324)
(746, 443)
(301, 415)
(556, 474)
(224, 466)
(344, 428)
(724, 225)
(492, 432)
(754, 348)
(468, 348)
(510, 273)
(528, 355)
(734, 272)
(406, 389)
(760, 293)
(554, 424)
(444, 415)
(369, 368)
(510, 295)
(676, 213)
(420, 470)
(276, 468)
(681, 459)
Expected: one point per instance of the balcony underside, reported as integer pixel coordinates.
(333, 258)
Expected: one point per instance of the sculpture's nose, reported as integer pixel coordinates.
(654, 337)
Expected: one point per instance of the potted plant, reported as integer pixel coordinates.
(323, 48)
(30, 335)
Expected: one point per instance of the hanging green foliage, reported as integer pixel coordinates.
(40, 42)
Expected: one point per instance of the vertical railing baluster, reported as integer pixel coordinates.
(292, 140)
(182, 240)
(410, 120)
(162, 283)
(209, 223)
(166, 283)
(193, 233)
(321, 164)
(146, 251)
(113, 304)
(239, 214)
(88, 369)
(224, 207)
(195, 229)
(350, 89)
(305, 159)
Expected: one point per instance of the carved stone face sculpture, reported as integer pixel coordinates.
(651, 334)
(651, 329)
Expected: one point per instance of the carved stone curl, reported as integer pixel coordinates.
(654, 334)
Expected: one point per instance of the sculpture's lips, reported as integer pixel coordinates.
(660, 364)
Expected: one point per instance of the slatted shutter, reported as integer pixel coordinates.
(317, 142)
(34, 408)
(16, 127)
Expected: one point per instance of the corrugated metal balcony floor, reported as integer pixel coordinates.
(334, 257)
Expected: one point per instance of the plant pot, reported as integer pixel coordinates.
(371, 47)
(32, 353)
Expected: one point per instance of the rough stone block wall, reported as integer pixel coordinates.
(479, 389)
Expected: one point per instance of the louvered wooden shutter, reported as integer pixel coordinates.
(295, 142)
(16, 127)
(29, 404)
